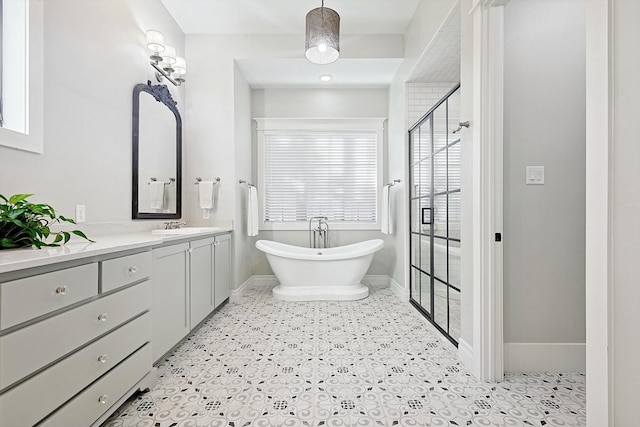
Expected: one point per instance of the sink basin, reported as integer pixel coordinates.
(185, 231)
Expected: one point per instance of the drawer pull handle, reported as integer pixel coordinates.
(62, 290)
(103, 399)
(132, 270)
(102, 317)
(103, 358)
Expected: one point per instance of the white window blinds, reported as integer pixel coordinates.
(320, 173)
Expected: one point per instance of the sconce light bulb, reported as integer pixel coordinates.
(155, 41)
(180, 67)
(322, 47)
(169, 55)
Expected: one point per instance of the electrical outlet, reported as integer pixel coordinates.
(81, 214)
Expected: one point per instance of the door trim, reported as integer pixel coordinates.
(487, 137)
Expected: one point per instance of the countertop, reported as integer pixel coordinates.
(78, 248)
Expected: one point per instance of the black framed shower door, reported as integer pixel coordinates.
(434, 214)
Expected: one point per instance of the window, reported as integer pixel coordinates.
(21, 77)
(316, 167)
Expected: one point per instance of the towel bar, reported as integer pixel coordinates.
(171, 181)
(198, 180)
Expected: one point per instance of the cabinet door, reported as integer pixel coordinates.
(201, 272)
(222, 268)
(170, 310)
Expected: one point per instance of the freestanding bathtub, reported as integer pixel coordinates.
(309, 274)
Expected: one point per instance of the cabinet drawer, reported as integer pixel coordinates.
(124, 270)
(28, 298)
(37, 397)
(61, 334)
(88, 406)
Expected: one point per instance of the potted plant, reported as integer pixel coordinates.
(24, 224)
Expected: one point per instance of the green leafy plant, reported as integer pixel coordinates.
(24, 224)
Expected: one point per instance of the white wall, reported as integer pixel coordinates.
(324, 103)
(544, 237)
(94, 54)
(243, 245)
(421, 30)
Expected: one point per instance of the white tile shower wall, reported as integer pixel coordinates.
(422, 96)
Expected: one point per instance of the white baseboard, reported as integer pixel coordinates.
(237, 293)
(465, 353)
(261, 280)
(398, 290)
(376, 280)
(265, 280)
(544, 357)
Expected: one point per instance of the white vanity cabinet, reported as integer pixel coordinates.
(222, 270)
(171, 301)
(190, 281)
(210, 278)
(201, 267)
(69, 334)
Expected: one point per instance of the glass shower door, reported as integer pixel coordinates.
(434, 166)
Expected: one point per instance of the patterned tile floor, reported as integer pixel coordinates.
(374, 362)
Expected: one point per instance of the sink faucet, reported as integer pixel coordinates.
(169, 225)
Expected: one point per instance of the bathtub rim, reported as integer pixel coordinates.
(353, 250)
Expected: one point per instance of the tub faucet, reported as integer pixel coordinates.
(319, 236)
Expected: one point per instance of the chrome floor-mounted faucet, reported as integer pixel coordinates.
(319, 236)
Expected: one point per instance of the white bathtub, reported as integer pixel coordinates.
(308, 274)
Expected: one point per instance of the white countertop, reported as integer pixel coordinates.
(78, 248)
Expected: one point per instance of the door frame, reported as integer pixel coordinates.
(485, 357)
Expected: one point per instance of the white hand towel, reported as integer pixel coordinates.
(252, 212)
(205, 194)
(386, 219)
(157, 194)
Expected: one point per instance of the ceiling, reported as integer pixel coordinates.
(358, 17)
(287, 16)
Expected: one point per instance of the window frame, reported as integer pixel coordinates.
(33, 138)
(319, 124)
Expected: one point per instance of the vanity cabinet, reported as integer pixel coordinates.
(222, 270)
(171, 303)
(67, 335)
(190, 281)
(201, 267)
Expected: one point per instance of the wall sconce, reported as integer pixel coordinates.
(323, 35)
(164, 60)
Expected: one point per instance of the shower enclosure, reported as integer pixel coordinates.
(434, 167)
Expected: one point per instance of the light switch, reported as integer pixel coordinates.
(535, 175)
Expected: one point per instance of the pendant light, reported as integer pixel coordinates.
(323, 35)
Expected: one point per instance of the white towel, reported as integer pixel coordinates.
(205, 194)
(386, 218)
(157, 194)
(252, 212)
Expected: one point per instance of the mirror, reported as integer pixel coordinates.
(157, 154)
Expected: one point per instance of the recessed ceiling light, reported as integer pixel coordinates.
(325, 78)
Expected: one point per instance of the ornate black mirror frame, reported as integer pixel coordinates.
(161, 94)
